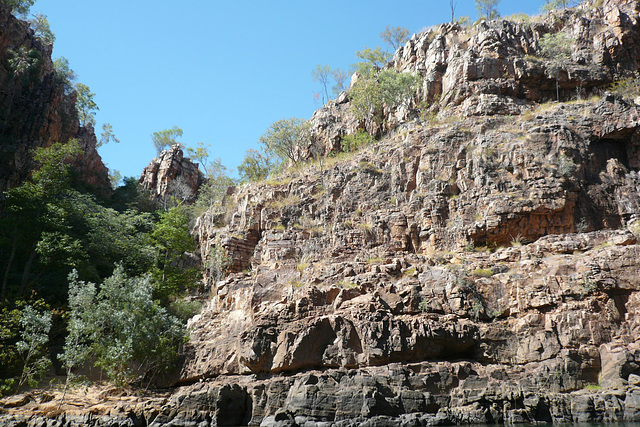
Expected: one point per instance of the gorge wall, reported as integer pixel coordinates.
(478, 264)
(38, 109)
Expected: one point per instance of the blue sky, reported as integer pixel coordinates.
(223, 71)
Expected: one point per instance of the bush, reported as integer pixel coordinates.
(126, 332)
(356, 141)
(373, 91)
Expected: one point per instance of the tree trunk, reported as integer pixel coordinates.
(27, 271)
(9, 264)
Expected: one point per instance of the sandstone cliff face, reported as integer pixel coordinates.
(172, 174)
(476, 267)
(36, 111)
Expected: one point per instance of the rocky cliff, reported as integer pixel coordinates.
(478, 264)
(37, 109)
(172, 175)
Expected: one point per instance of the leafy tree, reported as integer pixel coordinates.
(172, 238)
(35, 217)
(201, 155)
(285, 138)
(211, 194)
(373, 60)
(256, 166)
(166, 138)
(121, 327)
(107, 136)
(32, 345)
(322, 74)
(372, 92)
(63, 73)
(488, 9)
(557, 4)
(85, 105)
(42, 29)
(557, 48)
(340, 77)
(395, 36)
(20, 7)
(22, 61)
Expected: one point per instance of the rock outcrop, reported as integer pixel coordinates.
(477, 267)
(38, 109)
(497, 68)
(172, 174)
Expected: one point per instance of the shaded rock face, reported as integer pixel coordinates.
(37, 110)
(172, 174)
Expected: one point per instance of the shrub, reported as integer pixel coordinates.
(356, 141)
(121, 327)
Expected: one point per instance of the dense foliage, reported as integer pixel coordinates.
(51, 226)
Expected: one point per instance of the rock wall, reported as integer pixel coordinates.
(496, 67)
(38, 110)
(477, 267)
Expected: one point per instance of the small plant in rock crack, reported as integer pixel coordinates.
(566, 166)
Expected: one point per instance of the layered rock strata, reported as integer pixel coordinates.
(476, 265)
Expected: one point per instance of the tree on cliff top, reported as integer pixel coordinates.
(20, 7)
(285, 137)
(488, 9)
(395, 36)
(85, 105)
(166, 138)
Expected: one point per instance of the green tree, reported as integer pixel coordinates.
(256, 166)
(21, 62)
(32, 345)
(211, 195)
(164, 139)
(286, 138)
(63, 73)
(557, 48)
(488, 9)
(340, 77)
(85, 105)
(121, 327)
(385, 88)
(20, 7)
(372, 60)
(395, 36)
(35, 216)
(42, 29)
(107, 136)
(322, 74)
(172, 239)
(200, 154)
(356, 141)
(557, 4)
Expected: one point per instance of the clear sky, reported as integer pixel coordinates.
(223, 71)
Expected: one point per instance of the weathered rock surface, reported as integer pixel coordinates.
(38, 110)
(477, 268)
(172, 174)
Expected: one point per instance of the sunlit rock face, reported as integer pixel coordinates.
(172, 174)
(37, 109)
(478, 264)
